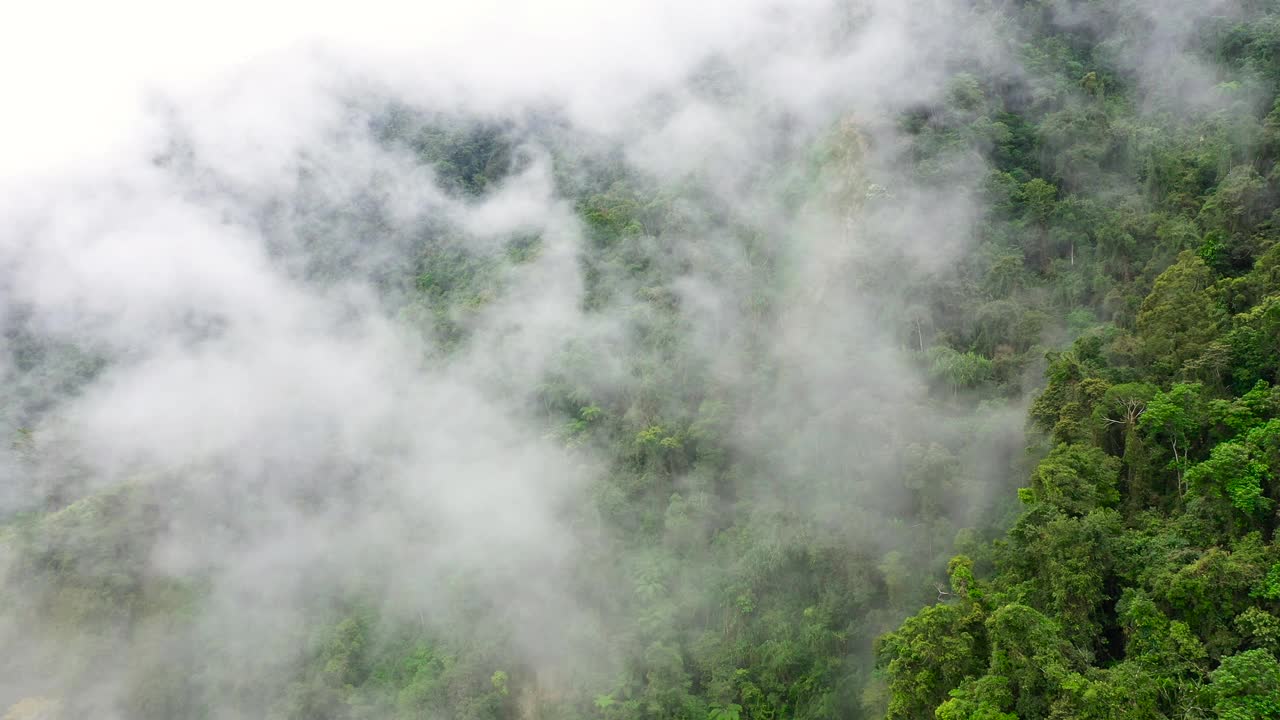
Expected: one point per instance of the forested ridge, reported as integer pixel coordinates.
(1034, 476)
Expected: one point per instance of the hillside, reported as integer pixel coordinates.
(917, 379)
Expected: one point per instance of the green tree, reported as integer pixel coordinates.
(1077, 479)
(933, 652)
(1246, 686)
(1174, 419)
(1179, 316)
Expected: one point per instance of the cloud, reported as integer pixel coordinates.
(197, 196)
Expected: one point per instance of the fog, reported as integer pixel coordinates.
(202, 228)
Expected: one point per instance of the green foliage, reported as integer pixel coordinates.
(1139, 580)
(1230, 469)
(931, 653)
(1178, 317)
(1260, 628)
(731, 711)
(1269, 587)
(1077, 479)
(1246, 686)
(1124, 268)
(958, 370)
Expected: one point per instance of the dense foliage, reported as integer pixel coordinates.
(1125, 269)
(1139, 578)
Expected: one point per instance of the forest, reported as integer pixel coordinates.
(957, 401)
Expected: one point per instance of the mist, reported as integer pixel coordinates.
(277, 352)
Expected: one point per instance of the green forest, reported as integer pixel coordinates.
(1039, 478)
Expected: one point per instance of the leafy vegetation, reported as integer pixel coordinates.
(754, 564)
